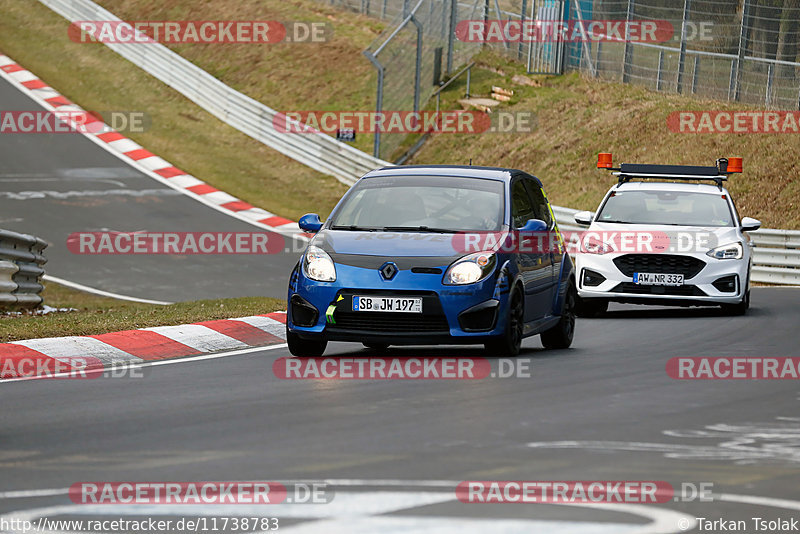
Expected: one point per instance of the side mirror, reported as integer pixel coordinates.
(310, 222)
(584, 217)
(534, 225)
(749, 224)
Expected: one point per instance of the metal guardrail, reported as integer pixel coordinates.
(316, 150)
(776, 253)
(21, 269)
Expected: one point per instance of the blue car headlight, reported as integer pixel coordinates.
(470, 269)
(318, 265)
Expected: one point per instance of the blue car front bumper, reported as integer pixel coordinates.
(469, 314)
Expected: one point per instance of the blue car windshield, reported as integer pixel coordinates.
(678, 208)
(422, 203)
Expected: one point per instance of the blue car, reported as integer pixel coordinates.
(422, 255)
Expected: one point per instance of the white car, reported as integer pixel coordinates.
(665, 242)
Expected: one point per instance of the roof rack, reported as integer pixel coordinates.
(627, 171)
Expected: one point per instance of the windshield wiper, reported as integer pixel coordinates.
(354, 228)
(418, 229)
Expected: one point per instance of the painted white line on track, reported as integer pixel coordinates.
(26, 494)
(121, 368)
(100, 292)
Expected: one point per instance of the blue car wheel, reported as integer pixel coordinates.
(510, 342)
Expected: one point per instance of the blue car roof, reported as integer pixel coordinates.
(466, 171)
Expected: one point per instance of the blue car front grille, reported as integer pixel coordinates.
(390, 322)
(432, 318)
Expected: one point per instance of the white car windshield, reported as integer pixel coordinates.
(422, 203)
(678, 208)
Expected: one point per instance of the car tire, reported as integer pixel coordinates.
(376, 346)
(305, 348)
(738, 309)
(560, 336)
(590, 307)
(510, 342)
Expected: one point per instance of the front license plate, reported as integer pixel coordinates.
(387, 304)
(657, 279)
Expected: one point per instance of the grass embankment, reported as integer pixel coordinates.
(284, 76)
(579, 117)
(98, 315)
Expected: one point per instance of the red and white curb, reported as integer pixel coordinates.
(141, 158)
(37, 358)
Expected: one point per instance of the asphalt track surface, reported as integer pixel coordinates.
(602, 410)
(52, 185)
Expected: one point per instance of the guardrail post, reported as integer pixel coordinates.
(682, 58)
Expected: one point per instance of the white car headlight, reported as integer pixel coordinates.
(318, 265)
(594, 246)
(470, 269)
(731, 251)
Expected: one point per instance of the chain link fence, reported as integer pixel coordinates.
(419, 49)
(740, 50)
(730, 50)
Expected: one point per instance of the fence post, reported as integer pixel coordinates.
(451, 35)
(383, 9)
(682, 57)
(743, 37)
(599, 47)
(732, 82)
(660, 78)
(522, 25)
(485, 20)
(626, 57)
(770, 80)
(376, 146)
(695, 74)
(418, 66)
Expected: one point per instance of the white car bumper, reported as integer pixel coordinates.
(703, 277)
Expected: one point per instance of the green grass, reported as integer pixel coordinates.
(328, 76)
(98, 315)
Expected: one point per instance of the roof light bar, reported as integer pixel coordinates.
(627, 171)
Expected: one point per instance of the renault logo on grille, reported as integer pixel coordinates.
(388, 270)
